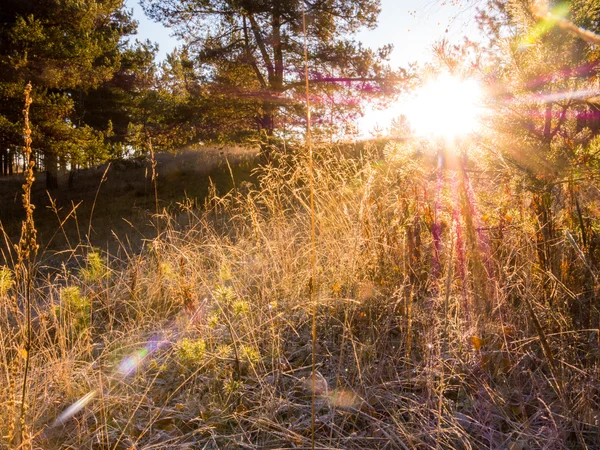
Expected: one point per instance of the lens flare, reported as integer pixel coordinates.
(75, 408)
(131, 362)
(126, 367)
(555, 17)
(548, 20)
(343, 399)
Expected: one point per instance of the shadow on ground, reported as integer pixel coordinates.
(118, 209)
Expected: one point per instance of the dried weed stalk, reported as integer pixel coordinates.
(25, 270)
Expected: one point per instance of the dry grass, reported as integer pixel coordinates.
(438, 326)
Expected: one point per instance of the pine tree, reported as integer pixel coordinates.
(254, 51)
(544, 120)
(65, 48)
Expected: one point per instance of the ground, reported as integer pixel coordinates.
(102, 212)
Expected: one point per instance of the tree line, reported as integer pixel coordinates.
(238, 75)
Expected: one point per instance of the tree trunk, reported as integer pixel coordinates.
(266, 123)
(3, 158)
(63, 164)
(51, 166)
(11, 158)
(72, 178)
(277, 79)
(6, 161)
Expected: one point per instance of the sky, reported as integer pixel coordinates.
(412, 26)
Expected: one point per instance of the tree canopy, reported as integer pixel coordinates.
(66, 49)
(544, 78)
(254, 51)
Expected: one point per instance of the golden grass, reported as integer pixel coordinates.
(202, 339)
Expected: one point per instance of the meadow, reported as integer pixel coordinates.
(433, 286)
(446, 313)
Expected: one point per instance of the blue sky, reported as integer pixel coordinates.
(412, 26)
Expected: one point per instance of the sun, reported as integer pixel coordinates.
(446, 106)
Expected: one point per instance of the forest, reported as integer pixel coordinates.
(206, 251)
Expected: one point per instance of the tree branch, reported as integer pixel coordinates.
(334, 80)
(261, 45)
(588, 36)
(251, 58)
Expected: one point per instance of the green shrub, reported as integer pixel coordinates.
(231, 386)
(249, 354)
(74, 308)
(224, 295)
(240, 307)
(96, 268)
(190, 352)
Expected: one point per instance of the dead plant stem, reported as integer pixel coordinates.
(313, 252)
